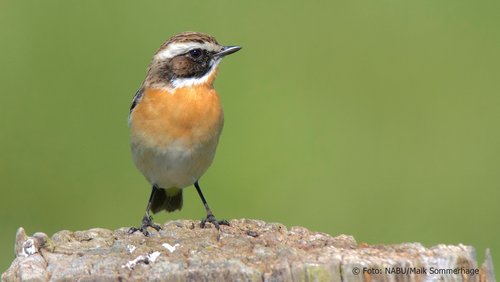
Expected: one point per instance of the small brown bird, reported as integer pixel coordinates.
(175, 121)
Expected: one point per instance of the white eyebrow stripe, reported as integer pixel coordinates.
(175, 49)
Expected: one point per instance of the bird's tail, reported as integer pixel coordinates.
(167, 199)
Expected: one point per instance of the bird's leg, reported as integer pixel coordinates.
(210, 216)
(147, 220)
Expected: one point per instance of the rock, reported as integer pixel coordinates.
(248, 250)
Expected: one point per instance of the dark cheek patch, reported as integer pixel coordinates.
(184, 67)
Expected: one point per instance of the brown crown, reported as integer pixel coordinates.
(190, 36)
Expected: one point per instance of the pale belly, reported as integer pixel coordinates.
(174, 166)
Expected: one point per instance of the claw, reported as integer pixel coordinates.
(147, 221)
(211, 218)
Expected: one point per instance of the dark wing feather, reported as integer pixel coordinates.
(137, 98)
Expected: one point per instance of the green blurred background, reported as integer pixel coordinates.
(378, 119)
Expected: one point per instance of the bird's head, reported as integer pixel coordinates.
(186, 59)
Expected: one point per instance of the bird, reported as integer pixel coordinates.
(175, 122)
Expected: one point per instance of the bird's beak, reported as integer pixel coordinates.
(226, 50)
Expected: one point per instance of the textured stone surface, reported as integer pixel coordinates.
(248, 250)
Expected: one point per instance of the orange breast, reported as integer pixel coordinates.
(187, 116)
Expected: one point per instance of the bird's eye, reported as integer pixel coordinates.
(195, 53)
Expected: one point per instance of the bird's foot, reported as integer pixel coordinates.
(211, 218)
(147, 221)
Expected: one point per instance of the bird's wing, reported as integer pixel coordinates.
(135, 101)
(137, 98)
